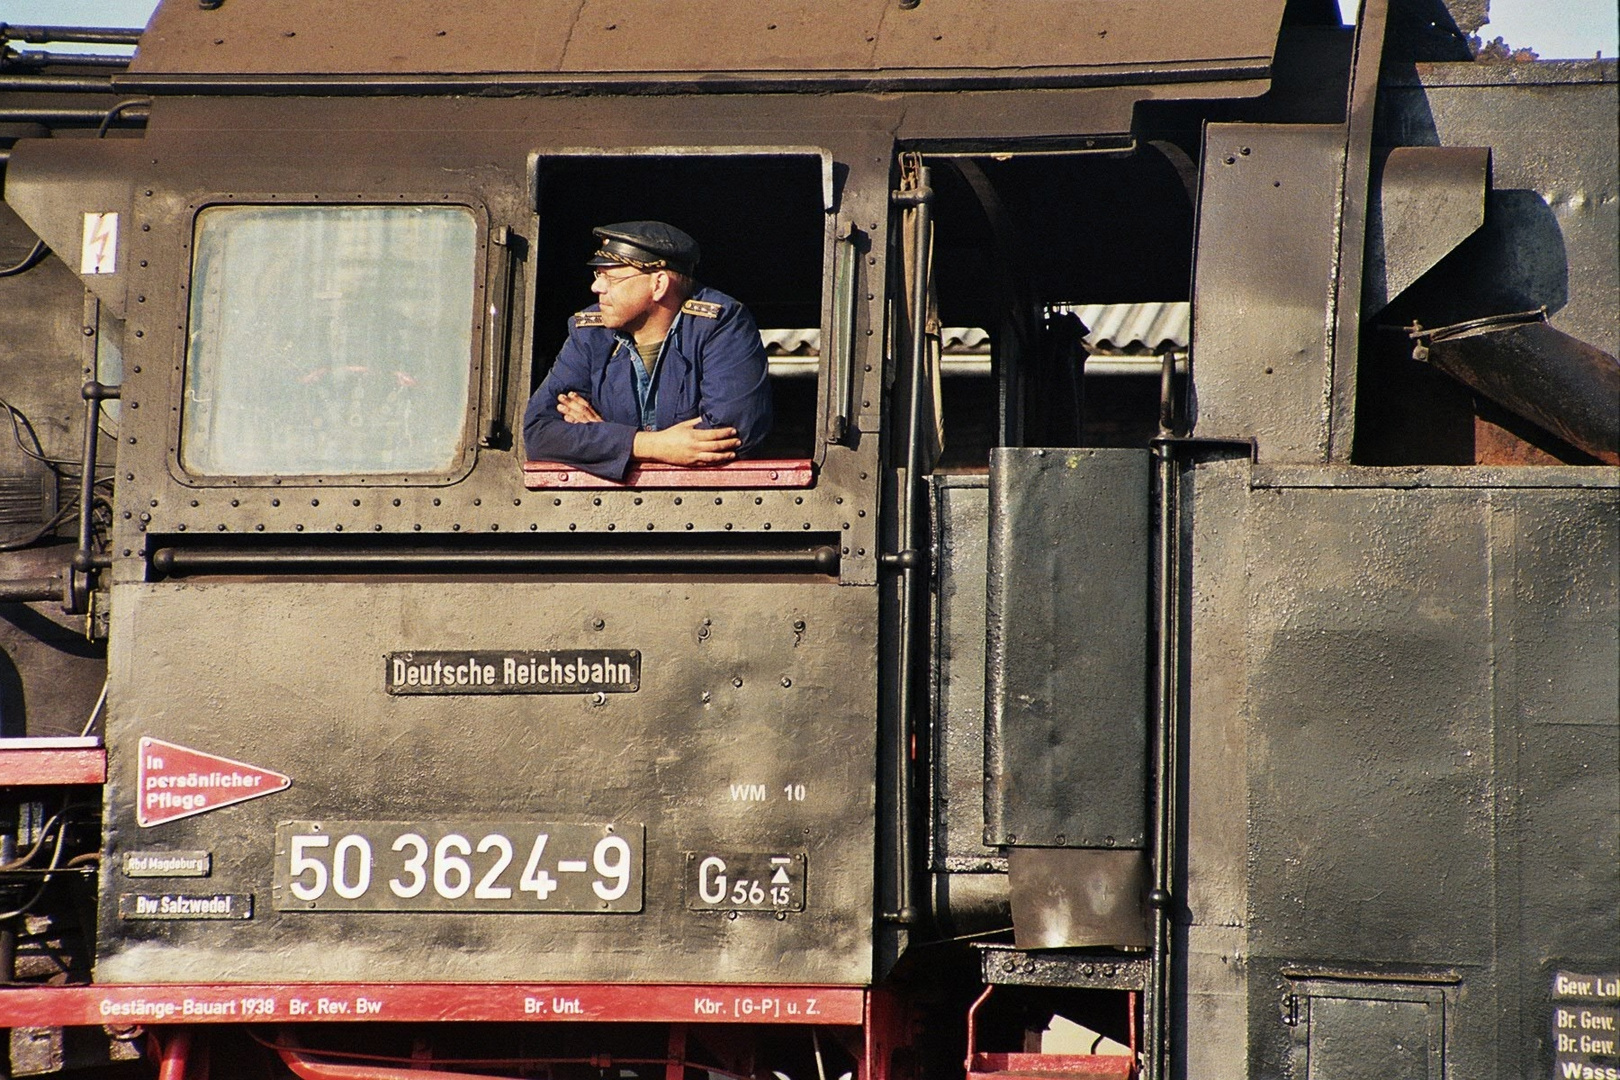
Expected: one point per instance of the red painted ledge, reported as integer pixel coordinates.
(39, 762)
(754, 473)
(235, 1003)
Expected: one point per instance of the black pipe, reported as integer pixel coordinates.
(85, 559)
(38, 60)
(1168, 624)
(1161, 896)
(857, 81)
(30, 590)
(128, 104)
(75, 35)
(36, 253)
(908, 559)
(1533, 370)
(498, 329)
(55, 84)
(66, 115)
(175, 560)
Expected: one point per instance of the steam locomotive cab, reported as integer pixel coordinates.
(338, 484)
(996, 716)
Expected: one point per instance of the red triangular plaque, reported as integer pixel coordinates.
(177, 782)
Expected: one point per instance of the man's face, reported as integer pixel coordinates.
(625, 295)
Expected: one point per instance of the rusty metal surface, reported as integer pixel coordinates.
(1428, 200)
(1100, 970)
(1551, 238)
(703, 38)
(747, 689)
(1065, 898)
(1542, 374)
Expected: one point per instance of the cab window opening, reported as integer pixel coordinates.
(1043, 260)
(329, 340)
(760, 222)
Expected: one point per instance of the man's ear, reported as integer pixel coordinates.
(663, 285)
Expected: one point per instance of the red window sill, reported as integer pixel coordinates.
(757, 473)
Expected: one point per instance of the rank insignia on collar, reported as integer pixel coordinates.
(702, 309)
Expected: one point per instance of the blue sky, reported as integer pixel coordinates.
(1556, 29)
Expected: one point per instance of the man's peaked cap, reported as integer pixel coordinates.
(645, 245)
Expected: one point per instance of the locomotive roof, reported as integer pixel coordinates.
(547, 41)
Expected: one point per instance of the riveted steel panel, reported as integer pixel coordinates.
(801, 37)
(1066, 663)
(750, 730)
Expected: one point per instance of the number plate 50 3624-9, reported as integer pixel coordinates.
(459, 866)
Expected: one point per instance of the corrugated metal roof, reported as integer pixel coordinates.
(1135, 328)
(1113, 330)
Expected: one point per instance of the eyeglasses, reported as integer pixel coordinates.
(610, 280)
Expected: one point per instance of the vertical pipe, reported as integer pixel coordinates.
(1164, 751)
(84, 559)
(87, 482)
(909, 559)
(496, 330)
(840, 409)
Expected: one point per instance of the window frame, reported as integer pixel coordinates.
(831, 197)
(478, 404)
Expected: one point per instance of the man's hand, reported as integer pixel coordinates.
(576, 410)
(686, 444)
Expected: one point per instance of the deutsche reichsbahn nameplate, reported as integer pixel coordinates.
(557, 671)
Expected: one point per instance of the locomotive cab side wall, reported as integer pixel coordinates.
(1219, 696)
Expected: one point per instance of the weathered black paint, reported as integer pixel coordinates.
(1066, 757)
(1396, 767)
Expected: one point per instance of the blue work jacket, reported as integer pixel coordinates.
(712, 365)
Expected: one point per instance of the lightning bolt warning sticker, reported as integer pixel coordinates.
(100, 253)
